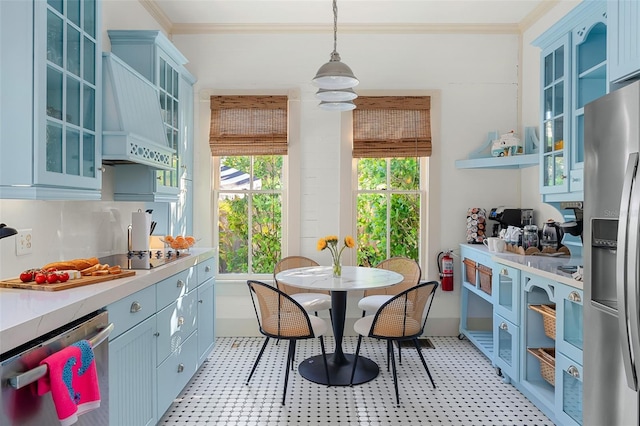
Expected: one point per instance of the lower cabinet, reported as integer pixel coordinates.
(162, 335)
(535, 337)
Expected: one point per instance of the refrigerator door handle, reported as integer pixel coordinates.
(622, 273)
(633, 237)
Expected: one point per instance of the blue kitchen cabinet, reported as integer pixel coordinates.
(506, 342)
(569, 330)
(573, 73)
(152, 54)
(50, 120)
(623, 17)
(476, 301)
(569, 377)
(506, 284)
(206, 309)
(132, 359)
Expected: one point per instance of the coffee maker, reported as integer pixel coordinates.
(506, 217)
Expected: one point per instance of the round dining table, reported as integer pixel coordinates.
(353, 278)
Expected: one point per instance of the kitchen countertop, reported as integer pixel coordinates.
(28, 314)
(544, 266)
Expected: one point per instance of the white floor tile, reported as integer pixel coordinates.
(468, 390)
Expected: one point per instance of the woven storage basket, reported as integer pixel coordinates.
(547, 358)
(485, 278)
(548, 313)
(470, 269)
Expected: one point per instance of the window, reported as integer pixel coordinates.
(392, 138)
(248, 139)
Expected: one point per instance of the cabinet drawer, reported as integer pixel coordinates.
(169, 289)
(131, 310)
(507, 285)
(175, 323)
(206, 270)
(175, 372)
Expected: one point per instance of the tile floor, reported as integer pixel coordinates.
(468, 390)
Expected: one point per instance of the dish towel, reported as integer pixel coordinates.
(73, 381)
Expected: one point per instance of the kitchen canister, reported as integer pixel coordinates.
(476, 225)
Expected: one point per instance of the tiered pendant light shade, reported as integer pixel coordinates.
(334, 95)
(337, 106)
(335, 79)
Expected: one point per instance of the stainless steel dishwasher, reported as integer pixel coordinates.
(20, 370)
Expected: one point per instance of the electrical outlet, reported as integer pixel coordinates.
(24, 242)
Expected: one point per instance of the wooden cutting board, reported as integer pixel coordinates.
(16, 283)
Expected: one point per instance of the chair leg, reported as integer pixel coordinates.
(355, 359)
(292, 350)
(324, 358)
(399, 353)
(417, 345)
(395, 374)
(389, 350)
(255, 364)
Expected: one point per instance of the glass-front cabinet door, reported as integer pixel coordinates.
(507, 283)
(66, 81)
(169, 88)
(569, 391)
(569, 328)
(506, 337)
(555, 118)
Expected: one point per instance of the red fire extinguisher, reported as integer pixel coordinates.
(445, 266)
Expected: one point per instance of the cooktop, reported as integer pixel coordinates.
(146, 259)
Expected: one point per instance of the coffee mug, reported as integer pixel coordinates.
(495, 245)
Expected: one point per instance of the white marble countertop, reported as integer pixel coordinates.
(544, 266)
(28, 314)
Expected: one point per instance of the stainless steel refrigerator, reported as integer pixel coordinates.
(611, 258)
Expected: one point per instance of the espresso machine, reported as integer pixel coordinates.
(506, 217)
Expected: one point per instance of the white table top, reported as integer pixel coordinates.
(353, 278)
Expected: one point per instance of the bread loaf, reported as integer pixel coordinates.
(77, 264)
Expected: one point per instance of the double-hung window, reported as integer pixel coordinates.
(248, 140)
(391, 141)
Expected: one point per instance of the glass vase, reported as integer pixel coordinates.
(337, 269)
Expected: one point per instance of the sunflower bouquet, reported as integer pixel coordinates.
(331, 242)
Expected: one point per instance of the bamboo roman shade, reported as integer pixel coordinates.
(392, 126)
(248, 125)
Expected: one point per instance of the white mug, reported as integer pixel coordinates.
(495, 245)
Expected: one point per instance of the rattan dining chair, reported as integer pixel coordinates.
(401, 318)
(311, 301)
(281, 317)
(374, 298)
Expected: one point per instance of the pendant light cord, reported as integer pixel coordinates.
(335, 26)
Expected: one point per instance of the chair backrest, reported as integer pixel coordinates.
(405, 315)
(408, 268)
(291, 262)
(278, 314)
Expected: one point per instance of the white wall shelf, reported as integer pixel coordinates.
(510, 162)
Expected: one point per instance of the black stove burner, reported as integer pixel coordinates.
(143, 259)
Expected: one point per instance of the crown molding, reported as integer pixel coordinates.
(536, 14)
(158, 14)
(195, 28)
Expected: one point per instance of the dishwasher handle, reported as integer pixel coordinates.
(34, 374)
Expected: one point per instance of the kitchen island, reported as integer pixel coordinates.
(27, 314)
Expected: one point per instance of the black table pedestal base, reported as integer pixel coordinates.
(313, 370)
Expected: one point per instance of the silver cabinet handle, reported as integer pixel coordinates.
(200, 301)
(574, 296)
(180, 284)
(180, 321)
(504, 326)
(135, 307)
(207, 268)
(31, 376)
(156, 334)
(504, 272)
(573, 371)
(180, 368)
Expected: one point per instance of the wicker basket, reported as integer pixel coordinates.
(470, 270)
(485, 278)
(547, 358)
(548, 313)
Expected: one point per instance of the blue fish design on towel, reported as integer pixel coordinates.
(86, 356)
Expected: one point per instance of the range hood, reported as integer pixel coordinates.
(133, 130)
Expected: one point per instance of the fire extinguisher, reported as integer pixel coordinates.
(445, 266)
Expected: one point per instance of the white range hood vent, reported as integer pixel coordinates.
(133, 130)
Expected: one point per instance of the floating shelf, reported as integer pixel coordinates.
(512, 162)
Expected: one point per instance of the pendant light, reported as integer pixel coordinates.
(335, 79)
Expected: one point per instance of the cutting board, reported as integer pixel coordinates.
(16, 283)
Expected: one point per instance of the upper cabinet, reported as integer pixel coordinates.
(50, 124)
(574, 73)
(623, 18)
(151, 54)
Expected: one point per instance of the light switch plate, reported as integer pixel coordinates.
(24, 242)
